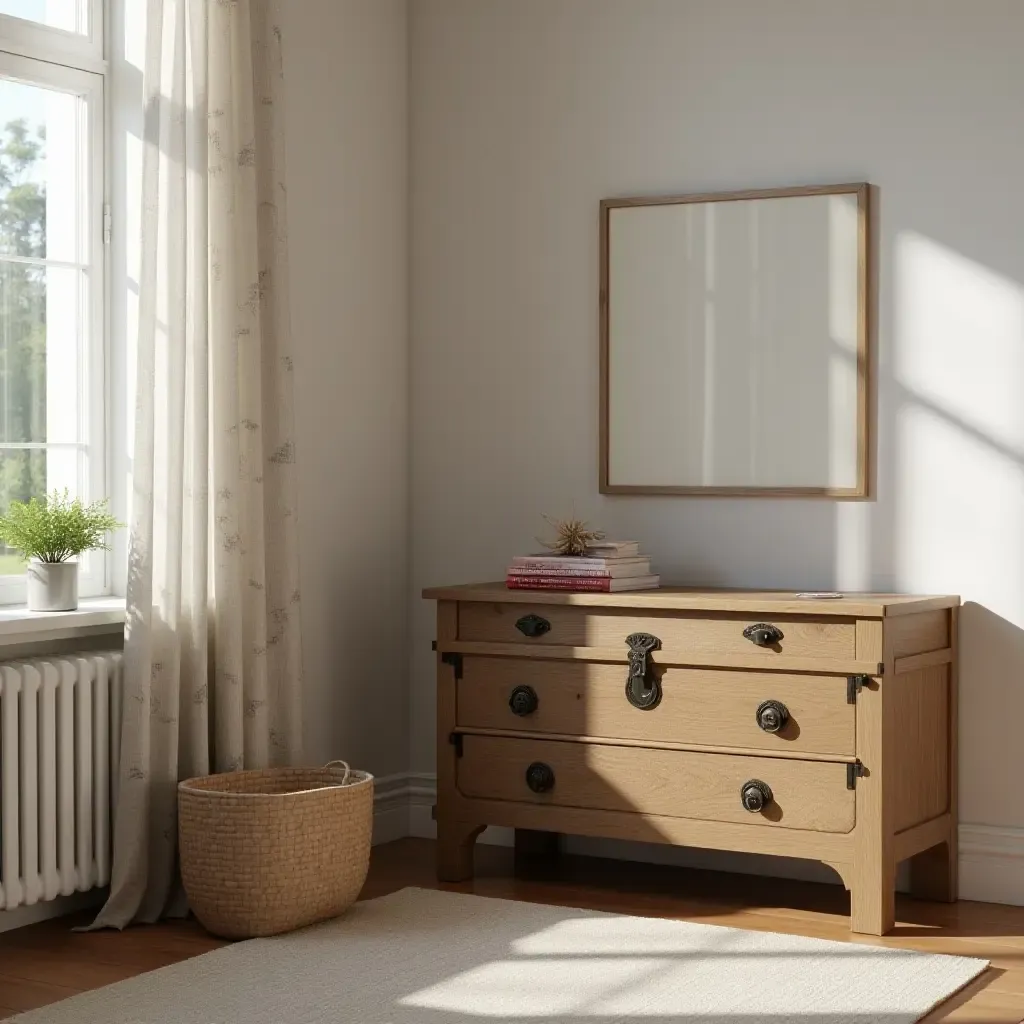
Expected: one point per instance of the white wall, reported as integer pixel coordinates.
(346, 93)
(525, 113)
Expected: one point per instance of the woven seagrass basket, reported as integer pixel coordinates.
(266, 851)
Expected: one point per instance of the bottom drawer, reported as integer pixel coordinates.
(676, 783)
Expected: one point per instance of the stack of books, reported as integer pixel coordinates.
(608, 566)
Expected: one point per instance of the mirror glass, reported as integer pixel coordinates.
(734, 343)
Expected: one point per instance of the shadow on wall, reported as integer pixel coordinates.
(991, 712)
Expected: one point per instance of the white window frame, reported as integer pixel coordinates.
(43, 57)
(75, 49)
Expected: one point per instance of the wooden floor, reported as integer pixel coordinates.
(47, 962)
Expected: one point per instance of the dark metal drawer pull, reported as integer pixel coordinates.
(756, 795)
(540, 777)
(763, 634)
(523, 701)
(772, 715)
(533, 625)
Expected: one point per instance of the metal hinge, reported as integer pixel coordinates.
(455, 660)
(854, 684)
(108, 224)
(455, 739)
(853, 772)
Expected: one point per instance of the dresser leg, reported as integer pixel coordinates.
(455, 843)
(873, 904)
(933, 874)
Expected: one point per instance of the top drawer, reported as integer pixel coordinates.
(684, 637)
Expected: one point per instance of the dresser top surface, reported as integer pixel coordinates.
(778, 602)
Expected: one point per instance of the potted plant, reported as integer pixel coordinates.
(50, 533)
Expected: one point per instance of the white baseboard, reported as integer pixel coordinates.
(391, 802)
(992, 864)
(991, 858)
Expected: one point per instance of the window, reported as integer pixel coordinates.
(52, 263)
(68, 15)
(70, 31)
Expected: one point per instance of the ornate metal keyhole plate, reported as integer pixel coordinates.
(643, 688)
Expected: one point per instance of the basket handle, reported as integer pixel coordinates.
(348, 771)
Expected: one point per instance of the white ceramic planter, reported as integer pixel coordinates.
(52, 586)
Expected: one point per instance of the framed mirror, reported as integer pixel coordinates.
(734, 343)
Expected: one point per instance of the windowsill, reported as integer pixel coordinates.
(94, 615)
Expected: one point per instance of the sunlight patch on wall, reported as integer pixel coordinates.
(135, 34)
(960, 509)
(959, 338)
(959, 364)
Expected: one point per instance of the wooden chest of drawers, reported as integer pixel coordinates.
(730, 720)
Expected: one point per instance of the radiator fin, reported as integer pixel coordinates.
(59, 749)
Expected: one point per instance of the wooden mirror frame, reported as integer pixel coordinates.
(864, 343)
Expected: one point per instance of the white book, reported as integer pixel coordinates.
(613, 549)
(619, 570)
(550, 561)
(583, 584)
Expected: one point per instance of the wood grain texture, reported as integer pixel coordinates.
(603, 356)
(873, 884)
(808, 795)
(947, 887)
(848, 188)
(672, 774)
(921, 837)
(617, 656)
(681, 636)
(698, 706)
(934, 872)
(829, 847)
(757, 602)
(870, 645)
(915, 662)
(704, 748)
(455, 838)
(920, 710)
(739, 901)
(865, 321)
(919, 633)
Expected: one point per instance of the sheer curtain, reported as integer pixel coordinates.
(212, 643)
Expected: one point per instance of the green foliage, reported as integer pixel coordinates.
(57, 528)
(22, 200)
(23, 315)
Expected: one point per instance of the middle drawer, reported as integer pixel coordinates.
(699, 706)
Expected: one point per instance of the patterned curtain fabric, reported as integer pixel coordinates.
(212, 644)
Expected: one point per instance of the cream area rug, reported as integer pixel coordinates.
(424, 957)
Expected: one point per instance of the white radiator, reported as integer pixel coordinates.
(58, 763)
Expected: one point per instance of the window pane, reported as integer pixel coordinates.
(22, 352)
(42, 313)
(22, 476)
(70, 15)
(42, 178)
